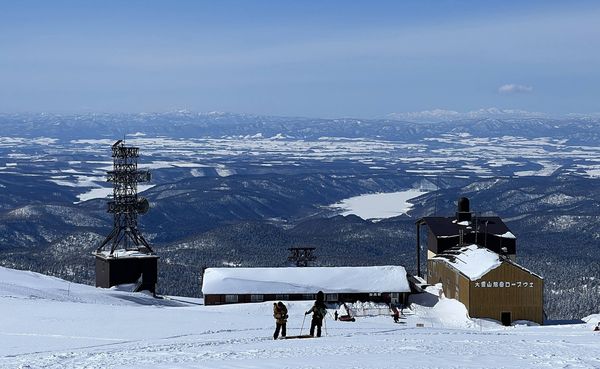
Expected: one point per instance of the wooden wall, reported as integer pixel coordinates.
(511, 289)
(439, 272)
(524, 298)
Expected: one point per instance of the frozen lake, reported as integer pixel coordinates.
(379, 205)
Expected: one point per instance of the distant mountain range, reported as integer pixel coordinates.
(184, 124)
(443, 115)
(235, 189)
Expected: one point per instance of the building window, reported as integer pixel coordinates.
(257, 298)
(331, 297)
(282, 297)
(231, 298)
(309, 296)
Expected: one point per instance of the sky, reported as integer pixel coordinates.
(299, 58)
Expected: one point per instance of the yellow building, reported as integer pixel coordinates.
(488, 284)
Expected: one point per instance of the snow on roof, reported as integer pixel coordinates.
(473, 261)
(506, 235)
(121, 253)
(304, 280)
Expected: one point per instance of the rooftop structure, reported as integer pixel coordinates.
(465, 228)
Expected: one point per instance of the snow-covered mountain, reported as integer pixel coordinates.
(443, 115)
(50, 323)
(45, 129)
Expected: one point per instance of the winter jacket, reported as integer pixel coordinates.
(280, 313)
(319, 310)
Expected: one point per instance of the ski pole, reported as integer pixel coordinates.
(301, 328)
(325, 324)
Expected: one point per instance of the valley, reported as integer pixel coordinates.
(239, 190)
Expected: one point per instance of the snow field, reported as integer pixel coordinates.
(44, 323)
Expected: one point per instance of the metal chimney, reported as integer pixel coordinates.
(463, 212)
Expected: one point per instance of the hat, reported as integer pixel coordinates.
(320, 296)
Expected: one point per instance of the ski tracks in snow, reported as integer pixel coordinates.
(376, 348)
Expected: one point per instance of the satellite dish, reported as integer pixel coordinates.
(143, 205)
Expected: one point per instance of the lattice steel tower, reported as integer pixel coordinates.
(124, 257)
(126, 204)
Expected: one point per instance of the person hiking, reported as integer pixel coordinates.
(280, 314)
(395, 313)
(319, 310)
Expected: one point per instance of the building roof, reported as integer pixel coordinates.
(474, 261)
(305, 280)
(122, 254)
(448, 227)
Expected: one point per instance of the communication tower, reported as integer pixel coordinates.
(125, 257)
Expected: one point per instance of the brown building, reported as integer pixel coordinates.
(488, 284)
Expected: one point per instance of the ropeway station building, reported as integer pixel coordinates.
(488, 284)
(474, 258)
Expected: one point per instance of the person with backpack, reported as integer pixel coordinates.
(280, 314)
(319, 310)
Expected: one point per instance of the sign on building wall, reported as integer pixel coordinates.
(503, 284)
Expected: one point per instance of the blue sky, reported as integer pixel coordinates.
(303, 58)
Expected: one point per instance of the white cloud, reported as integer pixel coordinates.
(512, 88)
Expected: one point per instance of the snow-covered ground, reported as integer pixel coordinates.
(49, 323)
(379, 205)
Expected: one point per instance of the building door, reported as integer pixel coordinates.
(505, 318)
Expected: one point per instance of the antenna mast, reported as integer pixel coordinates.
(126, 204)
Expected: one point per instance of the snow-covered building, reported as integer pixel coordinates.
(466, 228)
(340, 284)
(488, 284)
